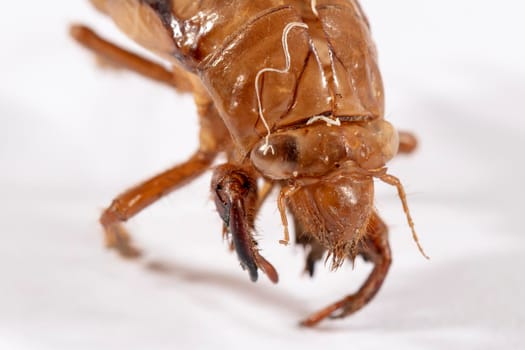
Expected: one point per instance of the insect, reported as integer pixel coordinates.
(290, 92)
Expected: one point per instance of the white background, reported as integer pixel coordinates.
(72, 136)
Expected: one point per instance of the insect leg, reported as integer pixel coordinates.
(285, 192)
(394, 181)
(123, 58)
(262, 195)
(315, 250)
(235, 194)
(407, 142)
(374, 248)
(131, 202)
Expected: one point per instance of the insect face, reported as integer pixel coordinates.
(335, 210)
(330, 170)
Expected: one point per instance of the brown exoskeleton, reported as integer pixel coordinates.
(290, 92)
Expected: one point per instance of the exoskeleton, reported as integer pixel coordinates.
(290, 92)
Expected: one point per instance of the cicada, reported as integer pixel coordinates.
(290, 93)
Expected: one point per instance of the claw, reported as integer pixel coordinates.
(118, 238)
(317, 317)
(330, 312)
(236, 200)
(267, 268)
(244, 245)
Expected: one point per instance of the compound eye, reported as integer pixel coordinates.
(143, 21)
(278, 162)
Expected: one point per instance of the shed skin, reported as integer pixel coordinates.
(215, 49)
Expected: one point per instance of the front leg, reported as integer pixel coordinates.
(374, 248)
(234, 191)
